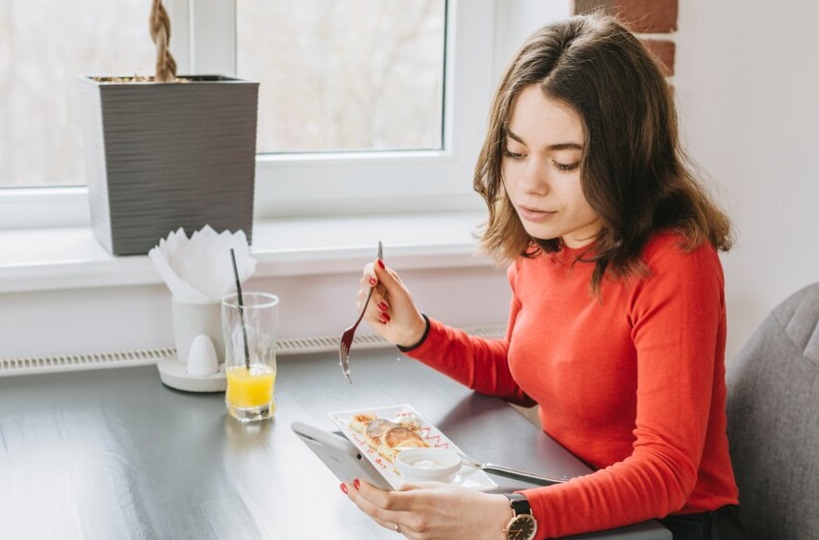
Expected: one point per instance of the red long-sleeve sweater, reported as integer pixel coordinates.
(631, 381)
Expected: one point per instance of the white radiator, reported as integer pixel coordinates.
(43, 364)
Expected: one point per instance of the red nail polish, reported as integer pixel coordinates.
(382, 306)
(373, 282)
(344, 488)
(356, 483)
(381, 264)
(385, 318)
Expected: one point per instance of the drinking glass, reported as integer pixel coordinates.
(249, 329)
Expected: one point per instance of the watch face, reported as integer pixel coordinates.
(522, 527)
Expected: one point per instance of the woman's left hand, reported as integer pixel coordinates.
(434, 511)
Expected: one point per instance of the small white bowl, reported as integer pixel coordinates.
(428, 465)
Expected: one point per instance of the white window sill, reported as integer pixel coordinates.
(71, 258)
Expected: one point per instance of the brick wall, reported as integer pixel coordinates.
(653, 20)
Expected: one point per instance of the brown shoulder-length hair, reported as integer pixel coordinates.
(634, 174)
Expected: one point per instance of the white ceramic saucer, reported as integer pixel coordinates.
(175, 374)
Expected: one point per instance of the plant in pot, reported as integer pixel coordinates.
(167, 152)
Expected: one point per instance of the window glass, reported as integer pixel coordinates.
(44, 46)
(344, 74)
(416, 117)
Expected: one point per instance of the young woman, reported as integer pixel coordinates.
(617, 322)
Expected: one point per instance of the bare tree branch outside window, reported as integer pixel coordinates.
(335, 75)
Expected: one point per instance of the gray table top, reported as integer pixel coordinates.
(114, 454)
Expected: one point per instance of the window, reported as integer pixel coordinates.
(41, 56)
(341, 75)
(428, 170)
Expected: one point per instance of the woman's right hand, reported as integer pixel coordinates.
(391, 312)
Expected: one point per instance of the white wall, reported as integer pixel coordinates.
(747, 81)
(515, 20)
(100, 320)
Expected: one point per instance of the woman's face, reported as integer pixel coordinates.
(541, 170)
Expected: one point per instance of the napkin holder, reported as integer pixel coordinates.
(198, 365)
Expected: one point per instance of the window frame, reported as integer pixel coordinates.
(323, 184)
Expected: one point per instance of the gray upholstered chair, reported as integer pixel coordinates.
(773, 422)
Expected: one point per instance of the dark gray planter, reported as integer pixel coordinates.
(161, 156)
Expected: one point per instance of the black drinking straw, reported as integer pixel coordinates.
(241, 307)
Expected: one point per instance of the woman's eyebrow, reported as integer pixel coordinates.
(558, 146)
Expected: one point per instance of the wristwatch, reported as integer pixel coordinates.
(523, 524)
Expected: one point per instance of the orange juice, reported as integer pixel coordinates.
(249, 389)
(249, 324)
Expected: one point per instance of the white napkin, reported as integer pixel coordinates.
(200, 270)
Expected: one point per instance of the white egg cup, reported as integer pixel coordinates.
(199, 363)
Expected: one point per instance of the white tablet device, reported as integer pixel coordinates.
(339, 455)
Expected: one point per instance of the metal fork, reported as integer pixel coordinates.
(508, 472)
(349, 333)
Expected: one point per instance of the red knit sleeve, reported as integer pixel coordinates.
(478, 363)
(677, 322)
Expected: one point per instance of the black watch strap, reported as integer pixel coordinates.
(519, 503)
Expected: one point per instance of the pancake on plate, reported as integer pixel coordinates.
(387, 437)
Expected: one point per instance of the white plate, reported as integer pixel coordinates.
(468, 477)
